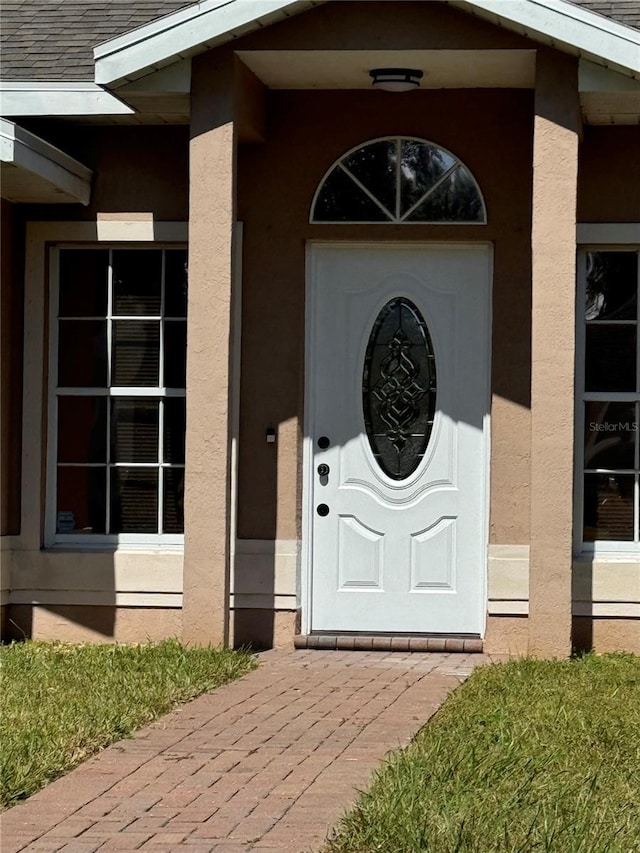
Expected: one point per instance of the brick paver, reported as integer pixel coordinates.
(267, 763)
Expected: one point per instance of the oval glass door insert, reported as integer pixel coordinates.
(399, 388)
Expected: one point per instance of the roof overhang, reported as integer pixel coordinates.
(565, 26)
(211, 23)
(607, 97)
(34, 171)
(186, 33)
(59, 99)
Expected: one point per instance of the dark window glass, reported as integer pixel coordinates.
(81, 500)
(610, 359)
(114, 436)
(400, 174)
(608, 507)
(134, 430)
(134, 500)
(83, 282)
(175, 354)
(174, 430)
(375, 167)
(137, 279)
(342, 200)
(82, 354)
(173, 507)
(136, 352)
(422, 165)
(610, 435)
(399, 388)
(612, 284)
(456, 199)
(82, 429)
(175, 287)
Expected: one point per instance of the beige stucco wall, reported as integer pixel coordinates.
(383, 26)
(553, 235)
(209, 343)
(136, 170)
(94, 624)
(11, 310)
(609, 175)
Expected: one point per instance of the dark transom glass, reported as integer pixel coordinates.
(399, 388)
(399, 179)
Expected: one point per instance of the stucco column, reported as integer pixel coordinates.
(555, 172)
(209, 347)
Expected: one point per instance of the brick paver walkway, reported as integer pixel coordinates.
(267, 763)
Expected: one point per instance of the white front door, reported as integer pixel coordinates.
(397, 407)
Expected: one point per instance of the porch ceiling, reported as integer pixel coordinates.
(349, 69)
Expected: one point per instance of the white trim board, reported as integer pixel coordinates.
(213, 22)
(22, 98)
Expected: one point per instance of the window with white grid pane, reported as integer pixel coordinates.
(609, 377)
(119, 357)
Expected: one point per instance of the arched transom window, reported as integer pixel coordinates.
(398, 180)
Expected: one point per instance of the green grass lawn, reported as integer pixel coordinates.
(61, 703)
(525, 756)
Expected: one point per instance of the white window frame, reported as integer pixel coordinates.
(604, 237)
(116, 232)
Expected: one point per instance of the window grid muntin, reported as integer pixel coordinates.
(397, 219)
(609, 396)
(159, 392)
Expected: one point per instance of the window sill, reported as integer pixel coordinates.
(110, 547)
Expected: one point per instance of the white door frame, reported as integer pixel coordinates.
(306, 550)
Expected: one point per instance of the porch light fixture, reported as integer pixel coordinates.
(396, 79)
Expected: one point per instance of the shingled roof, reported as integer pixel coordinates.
(54, 39)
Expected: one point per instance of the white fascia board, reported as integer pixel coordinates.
(185, 33)
(35, 156)
(564, 24)
(18, 98)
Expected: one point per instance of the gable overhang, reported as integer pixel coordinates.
(186, 33)
(34, 171)
(565, 26)
(212, 23)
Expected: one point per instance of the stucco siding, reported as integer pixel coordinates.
(11, 313)
(609, 175)
(136, 170)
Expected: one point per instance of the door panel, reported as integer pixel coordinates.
(395, 553)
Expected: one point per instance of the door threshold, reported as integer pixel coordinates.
(390, 643)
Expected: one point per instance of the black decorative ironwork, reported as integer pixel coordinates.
(399, 388)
